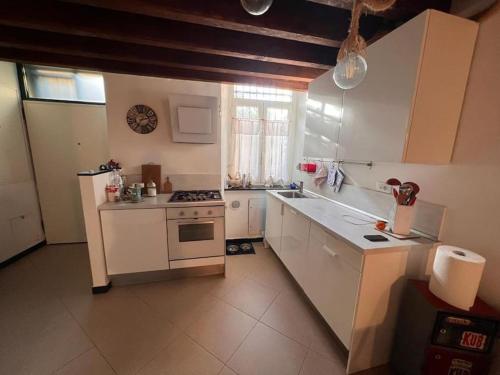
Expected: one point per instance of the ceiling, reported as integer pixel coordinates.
(290, 45)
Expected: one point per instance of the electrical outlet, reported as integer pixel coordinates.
(383, 187)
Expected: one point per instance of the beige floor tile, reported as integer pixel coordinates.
(290, 315)
(273, 274)
(221, 330)
(89, 363)
(266, 352)
(183, 357)
(323, 342)
(251, 297)
(38, 337)
(180, 301)
(227, 371)
(221, 285)
(125, 330)
(316, 364)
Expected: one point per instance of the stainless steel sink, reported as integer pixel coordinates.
(292, 194)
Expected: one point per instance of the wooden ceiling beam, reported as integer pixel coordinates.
(297, 20)
(112, 66)
(138, 29)
(43, 41)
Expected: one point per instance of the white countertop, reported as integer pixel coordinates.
(338, 220)
(160, 201)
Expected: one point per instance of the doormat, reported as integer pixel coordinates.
(239, 247)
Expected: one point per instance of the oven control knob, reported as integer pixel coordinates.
(195, 213)
(181, 213)
(210, 212)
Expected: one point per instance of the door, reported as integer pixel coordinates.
(274, 222)
(256, 216)
(135, 240)
(294, 243)
(332, 281)
(65, 139)
(196, 238)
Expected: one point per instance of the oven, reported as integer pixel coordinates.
(195, 232)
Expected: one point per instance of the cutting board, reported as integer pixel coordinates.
(152, 172)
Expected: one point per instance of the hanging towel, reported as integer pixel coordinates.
(332, 174)
(321, 175)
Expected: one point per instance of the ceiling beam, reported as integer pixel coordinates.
(111, 66)
(129, 28)
(297, 20)
(43, 41)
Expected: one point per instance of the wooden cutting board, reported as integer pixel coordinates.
(152, 172)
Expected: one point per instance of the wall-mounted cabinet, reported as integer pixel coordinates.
(408, 107)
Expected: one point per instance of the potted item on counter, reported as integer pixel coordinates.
(402, 213)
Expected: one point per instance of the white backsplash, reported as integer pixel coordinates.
(186, 181)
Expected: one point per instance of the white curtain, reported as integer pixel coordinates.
(259, 149)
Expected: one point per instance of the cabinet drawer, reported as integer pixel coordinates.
(180, 213)
(343, 250)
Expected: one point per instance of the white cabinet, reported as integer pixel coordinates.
(323, 117)
(408, 107)
(245, 213)
(274, 223)
(332, 279)
(135, 240)
(294, 243)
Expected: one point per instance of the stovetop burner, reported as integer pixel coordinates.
(195, 195)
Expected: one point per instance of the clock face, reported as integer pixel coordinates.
(142, 119)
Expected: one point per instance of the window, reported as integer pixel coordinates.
(48, 83)
(260, 133)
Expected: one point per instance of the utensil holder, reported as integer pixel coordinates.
(401, 219)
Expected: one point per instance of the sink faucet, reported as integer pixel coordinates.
(301, 186)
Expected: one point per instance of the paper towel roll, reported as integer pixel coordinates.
(455, 276)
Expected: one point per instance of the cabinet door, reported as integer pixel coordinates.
(274, 223)
(294, 243)
(135, 240)
(332, 282)
(376, 113)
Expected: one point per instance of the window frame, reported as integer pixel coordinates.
(23, 87)
(263, 105)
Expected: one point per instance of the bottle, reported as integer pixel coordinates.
(167, 186)
(151, 187)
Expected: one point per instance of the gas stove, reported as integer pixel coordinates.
(195, 196)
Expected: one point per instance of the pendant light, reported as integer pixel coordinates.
(256, 7)
(351, 65)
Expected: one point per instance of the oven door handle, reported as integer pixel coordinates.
(194, 221)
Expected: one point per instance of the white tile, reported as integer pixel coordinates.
(251, 297)
(267, 352)
(183, 357)
(89, 363)
(221, 330)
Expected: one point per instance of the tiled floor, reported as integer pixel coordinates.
(254, 321)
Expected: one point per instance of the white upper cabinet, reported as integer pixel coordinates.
(323, 115)
(408, 107)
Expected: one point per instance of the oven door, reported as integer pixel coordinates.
(195, 238)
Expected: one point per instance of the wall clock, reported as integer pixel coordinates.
(142, 119)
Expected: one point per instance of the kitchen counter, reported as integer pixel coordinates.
(160, 201)
(254, 187)
(346, 223)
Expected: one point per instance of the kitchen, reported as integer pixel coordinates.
(150, 286)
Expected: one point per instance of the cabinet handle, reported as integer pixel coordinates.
(329, 251)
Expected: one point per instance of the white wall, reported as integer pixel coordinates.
(190, 166)
(20, 222)
(470, 185)
(65, 138)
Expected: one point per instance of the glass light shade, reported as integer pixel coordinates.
(256, 7)
(350, 71)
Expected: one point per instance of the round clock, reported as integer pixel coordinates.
(142, 119)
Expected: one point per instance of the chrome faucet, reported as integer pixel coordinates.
(301, 186)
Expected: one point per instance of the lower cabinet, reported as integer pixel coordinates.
(332, 280)
(274, 223)
(135, 240)
(294, 240)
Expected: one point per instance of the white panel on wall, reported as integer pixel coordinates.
(194, 120)
(65, 139)
(20, 221)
